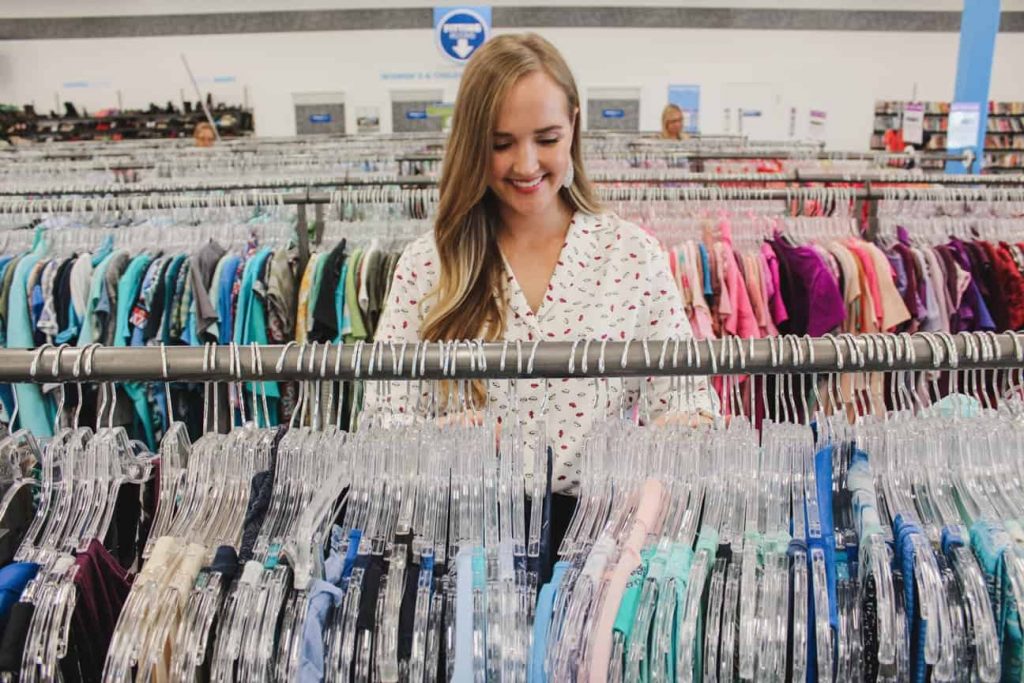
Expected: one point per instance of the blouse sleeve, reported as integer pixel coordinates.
(401, 322)
(665, 318)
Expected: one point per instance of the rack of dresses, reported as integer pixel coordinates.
(847, 539)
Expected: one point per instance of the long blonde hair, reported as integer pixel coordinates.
(468, 301)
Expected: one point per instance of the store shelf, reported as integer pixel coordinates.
(131, 125)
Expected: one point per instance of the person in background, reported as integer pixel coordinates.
(893, 140)
(672, 123)
(204, 134)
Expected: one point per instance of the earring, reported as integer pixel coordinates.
(569, 176)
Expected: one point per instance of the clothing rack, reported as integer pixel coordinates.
(754, 153)
(884, 177)
(477, 360)
(122, 202)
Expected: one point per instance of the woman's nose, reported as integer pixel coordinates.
(526, 160)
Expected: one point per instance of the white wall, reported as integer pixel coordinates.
(842, 73)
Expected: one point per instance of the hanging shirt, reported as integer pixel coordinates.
(33, 412)
(225, 311)
(203, 264)
(610, 282)
(814, 303)
(127, 291)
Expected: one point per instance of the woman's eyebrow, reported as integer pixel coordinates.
(539, 131)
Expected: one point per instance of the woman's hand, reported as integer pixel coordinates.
(692, 420)
(468, 418)
(463, 418)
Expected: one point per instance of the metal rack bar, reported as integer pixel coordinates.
(470, 360)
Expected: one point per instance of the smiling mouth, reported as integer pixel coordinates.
(527, 184)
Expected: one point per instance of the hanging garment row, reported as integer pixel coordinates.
(886, 548)
(754, 271)
(227, 275)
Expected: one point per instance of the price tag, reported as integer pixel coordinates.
(913, 123)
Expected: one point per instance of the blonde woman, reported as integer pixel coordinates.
(522, 251)
(672, 123)
(204, 134)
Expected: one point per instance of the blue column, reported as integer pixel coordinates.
(979, 25)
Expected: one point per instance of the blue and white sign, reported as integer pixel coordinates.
(320, 118)
(460, 31)
(415, 115)
(687, 98)
(613, 113)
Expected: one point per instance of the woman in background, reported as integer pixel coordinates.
(672, 123)
(204, 134)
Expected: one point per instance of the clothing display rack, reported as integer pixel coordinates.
(477, 360)
(127, 201)
(635, 177)
(308, 554)
(313, 521)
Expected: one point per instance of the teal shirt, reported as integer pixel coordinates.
(251, 322)
(34, 412)
(127, 292)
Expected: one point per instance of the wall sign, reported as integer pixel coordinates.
(613, 113)
(913, 123)
(687, 98)
(816, 124)
(319, 113)
(460, 31)
(415, 115)
(964, 122)
(367, 119)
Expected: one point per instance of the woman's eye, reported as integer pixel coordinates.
(498, 146)
(548, 141)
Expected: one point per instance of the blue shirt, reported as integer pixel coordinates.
(542, 622)
(323, 594)
(225, 311)
(13, 579)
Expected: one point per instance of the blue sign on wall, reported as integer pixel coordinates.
(687, 98)
(415, 115)
(320, 118)
(460, 31)
(613, 113)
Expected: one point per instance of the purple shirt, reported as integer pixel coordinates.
(814, 301)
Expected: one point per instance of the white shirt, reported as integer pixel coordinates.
(612, 281)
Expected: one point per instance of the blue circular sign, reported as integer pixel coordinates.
(460, 33)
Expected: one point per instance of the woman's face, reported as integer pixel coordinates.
(531, 145)
(674, 124)
(205, 137)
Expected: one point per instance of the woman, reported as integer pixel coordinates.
(204, 134)
(672, 123)
(521, 251)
